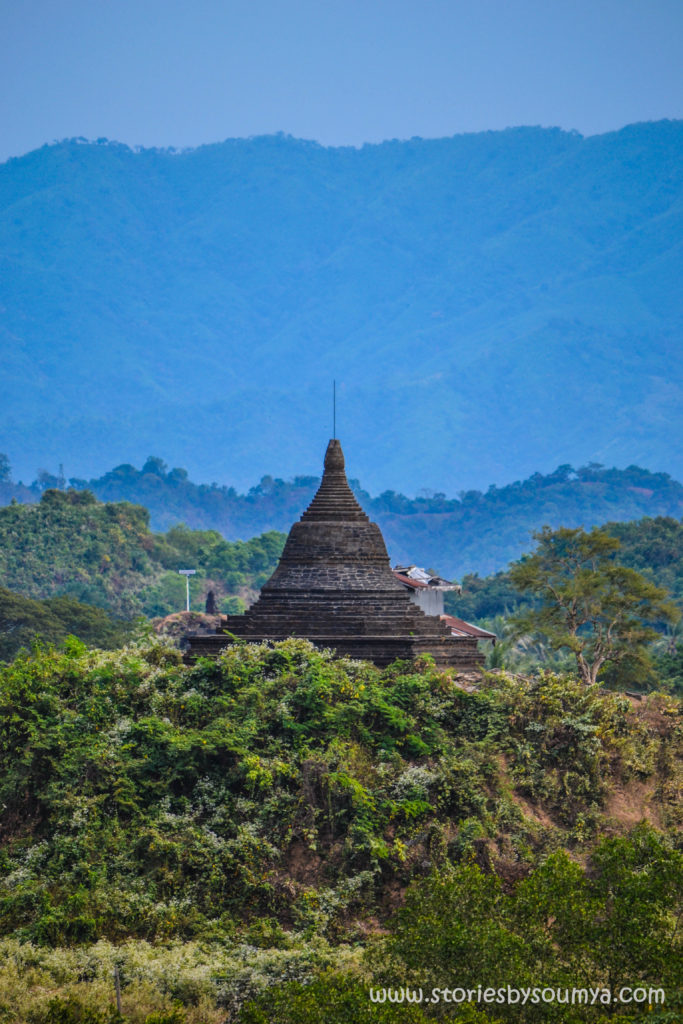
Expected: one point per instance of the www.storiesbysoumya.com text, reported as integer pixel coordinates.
(510, 995)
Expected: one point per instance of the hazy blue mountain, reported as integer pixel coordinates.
(491, 304)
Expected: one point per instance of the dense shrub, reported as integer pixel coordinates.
(145, 797)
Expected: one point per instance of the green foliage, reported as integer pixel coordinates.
(172, 497)
(484, 599)
(561, 927)
(73, 1011)
(145, 797)
(70, 545)
(24, 621)
(459, 917)
(474, 533)
(232, 825)
(175, 981)
(175, 1016)
(653, 546)
(234, 565)
(590, 605)
(668, 668)
(336, 999)
(166, 595)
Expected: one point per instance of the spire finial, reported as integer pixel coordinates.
(334, 408)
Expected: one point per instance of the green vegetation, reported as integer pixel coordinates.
(587, 603)
(557, 928)
(652, 548)
(655, 548)
(475, 532)
(70, 545)
(560, 929)
(220, 829)
(23, 621)
(104, 555)
(265, 838)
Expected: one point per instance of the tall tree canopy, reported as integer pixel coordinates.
(601, 611)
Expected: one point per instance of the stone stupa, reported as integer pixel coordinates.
(334, 586)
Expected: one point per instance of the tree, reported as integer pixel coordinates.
(615, 924)
(457, 916)
(155, 465)
(23, 620)
(601, 611)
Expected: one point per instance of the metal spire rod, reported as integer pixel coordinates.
(334, 408)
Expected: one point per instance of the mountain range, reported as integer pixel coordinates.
(490, 305)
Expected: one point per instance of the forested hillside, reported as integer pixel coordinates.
(74, 565)
(490, 305)
(69, 546)
(652, 546)
(241, 836)
(264, 838)
(475, 532)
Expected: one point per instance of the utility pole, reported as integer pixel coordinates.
(117, 989)
(187, 573)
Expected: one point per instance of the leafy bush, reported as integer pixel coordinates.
(235, 832)
(149, 798)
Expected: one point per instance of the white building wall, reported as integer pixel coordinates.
(429, 599)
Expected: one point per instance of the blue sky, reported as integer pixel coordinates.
(165, 72)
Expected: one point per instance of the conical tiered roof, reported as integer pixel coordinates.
(334, 585)
(334, 499)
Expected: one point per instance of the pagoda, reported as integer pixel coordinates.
(334, 586)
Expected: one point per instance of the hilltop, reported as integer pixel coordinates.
(260, 838)
(68, 552)
(106, 555)
(223, 830)
(491, 304)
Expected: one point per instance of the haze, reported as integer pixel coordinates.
(155, 73)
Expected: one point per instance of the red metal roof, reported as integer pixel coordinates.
(407, 581)
(462, 628)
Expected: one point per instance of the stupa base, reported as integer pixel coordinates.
(461, 655)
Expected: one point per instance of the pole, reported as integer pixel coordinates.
(334, 408)
(117, 989)
(187, 573)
